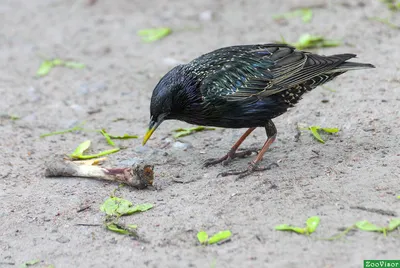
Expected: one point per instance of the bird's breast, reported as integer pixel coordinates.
(248, 113)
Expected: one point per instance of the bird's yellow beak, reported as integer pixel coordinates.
(152, 126)
(148, 134)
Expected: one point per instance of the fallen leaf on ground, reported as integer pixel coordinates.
(107, 137)
(315, 131)
(122, 229)
(367, 226)
(220, 236)
(286, 227)
(116, 206)
(78, 153)
(154, 34)
(76, 128)
(29, 263)
(47, 65)
(80, 149)
(181, 132)
(202, 237)
(309, 41)
(370, 227)
(311, 225)
(123, 137)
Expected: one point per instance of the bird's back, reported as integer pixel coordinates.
(245, 86)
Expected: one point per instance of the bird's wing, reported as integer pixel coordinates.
(240, 72)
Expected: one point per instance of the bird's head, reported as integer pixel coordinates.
(170, 98)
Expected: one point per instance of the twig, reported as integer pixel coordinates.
(83, 209)
(7, 263)
(376, 210)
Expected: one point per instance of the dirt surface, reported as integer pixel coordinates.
(357, 167)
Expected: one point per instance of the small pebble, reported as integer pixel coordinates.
(62, 239)
(182, 145)
(206, 15)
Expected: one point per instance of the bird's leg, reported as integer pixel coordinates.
(232, 152)
(253, 166)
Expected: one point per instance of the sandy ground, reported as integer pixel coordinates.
(358, 167)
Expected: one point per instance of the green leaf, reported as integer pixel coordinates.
(286, 227)
(116, 228)
(132, 226)
(369, 227)
(123, 137)
(80, 149)
(14, 117)
(74, 65)
(76, 128)
(181, 132)
(57, 62)
(314, 131)
(100, 154)
(202, 237)
(45, 68)
(307, 15)
(47, 65)
(308, 41)
(121, 229)
(393, 224)
(330, 130)
(223, 235)
(29, 263)
(139, 208)
(312, 224)
(154, 34)
(107, 137)
(116, 206)
(398, 197)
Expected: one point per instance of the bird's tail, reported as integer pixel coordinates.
(348, 65)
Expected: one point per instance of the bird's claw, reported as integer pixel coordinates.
(214, 161)
(243, 173)
(226, 159)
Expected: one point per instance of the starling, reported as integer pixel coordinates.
(242, 87)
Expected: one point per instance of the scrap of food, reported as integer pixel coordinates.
(138, 176)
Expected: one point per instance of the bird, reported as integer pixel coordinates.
(242, 86)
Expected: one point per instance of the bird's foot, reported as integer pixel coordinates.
(243, 173)
(226, 159)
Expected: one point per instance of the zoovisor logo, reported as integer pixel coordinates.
(381, 263)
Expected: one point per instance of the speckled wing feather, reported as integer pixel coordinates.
(239, 71)
(235, 73)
